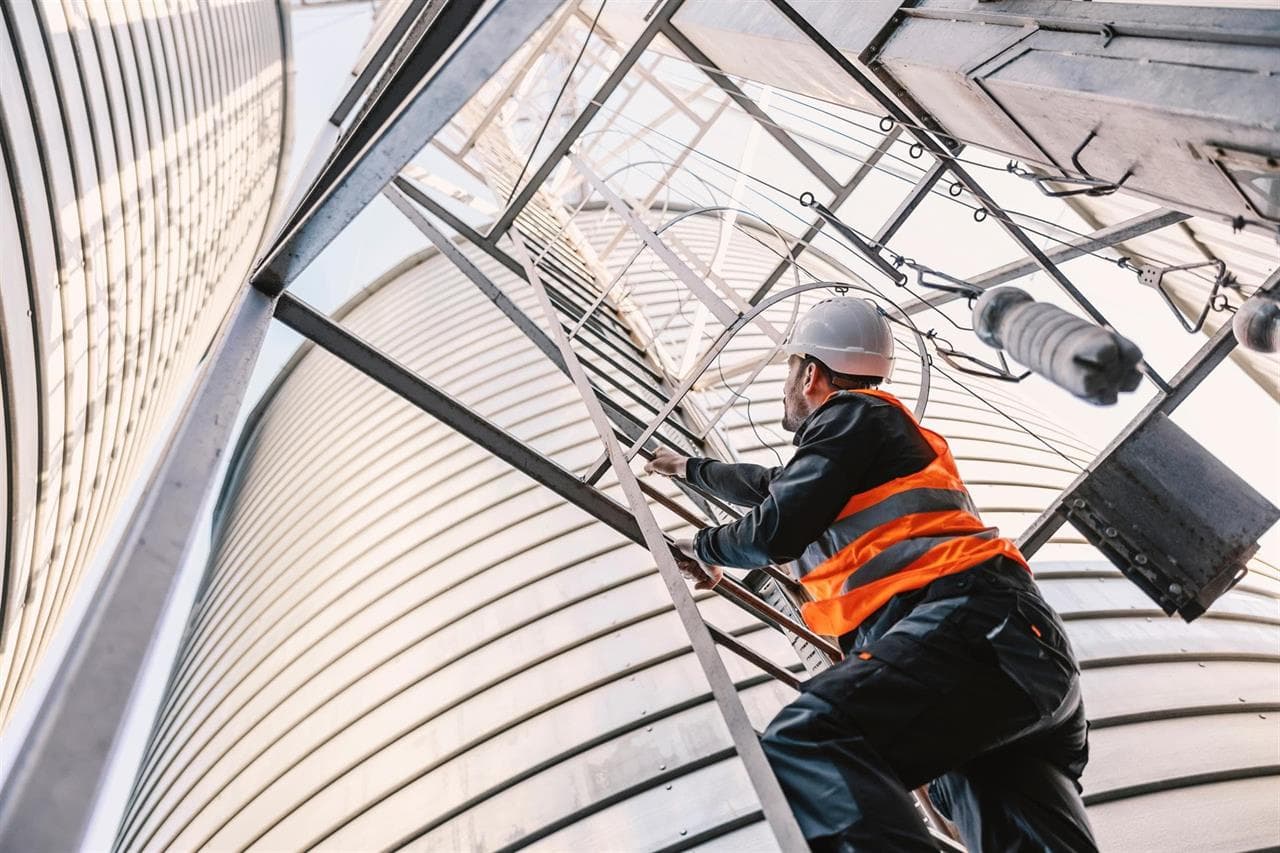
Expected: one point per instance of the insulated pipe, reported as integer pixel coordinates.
(1092, 362)
(1257, 323)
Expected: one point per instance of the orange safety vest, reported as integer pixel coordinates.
(894, 538)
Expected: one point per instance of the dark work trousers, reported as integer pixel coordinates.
(973, 687)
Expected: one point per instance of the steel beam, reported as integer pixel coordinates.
(468, 233)
(323, 147)
(423, 54)
(1209, 356)
(918, 193)
(772, 801)
(630, 425)
(52, 788)
(750, 107)
(1103, 238)
(500, 100)
(389, 373)
(651, 30)
(356, 90)
(501, 301)
(357, 175)
(1144, 223)
(868, 82)
(841, 196)
(720, 309)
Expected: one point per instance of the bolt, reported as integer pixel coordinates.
(684, 832)
(1175, 589)
(668, 787)
(649, 729)
(1078, 503)
(1111, 532)
(1140, 559)
(662, 767)
(1201, 665)
(1241, 698)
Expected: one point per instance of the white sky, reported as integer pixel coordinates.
(1229, 414)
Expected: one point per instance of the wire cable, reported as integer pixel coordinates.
(930, 365)
(927, 364)
(556, 103)
(948, 196)
(951, 196)
(750, 420)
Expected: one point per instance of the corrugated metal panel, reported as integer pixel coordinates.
(141, 145)
(400, 640)
(1193, 818)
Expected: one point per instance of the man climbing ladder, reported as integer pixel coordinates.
(956, 671)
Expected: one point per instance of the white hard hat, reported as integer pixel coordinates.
(847, 334)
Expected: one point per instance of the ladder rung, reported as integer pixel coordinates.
(667, 502)
(740, 595)
(754, 657)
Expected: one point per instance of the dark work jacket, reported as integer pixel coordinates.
(850, 444)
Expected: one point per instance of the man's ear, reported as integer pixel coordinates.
(812, 376)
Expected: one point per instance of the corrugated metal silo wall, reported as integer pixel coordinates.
(403, 641)
(141, 144)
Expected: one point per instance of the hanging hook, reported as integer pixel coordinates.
(947, 283)
(985, 369)
(1153, 276)
(869, 249)
(1087, 184)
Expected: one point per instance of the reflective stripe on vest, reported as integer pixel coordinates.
(896, 537)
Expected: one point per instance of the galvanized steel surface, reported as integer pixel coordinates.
(141, 145)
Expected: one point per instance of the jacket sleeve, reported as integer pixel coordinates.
(742, 484)
(803, 498)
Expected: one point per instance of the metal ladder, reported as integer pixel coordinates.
(626, 397)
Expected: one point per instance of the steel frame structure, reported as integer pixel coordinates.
(434, 61)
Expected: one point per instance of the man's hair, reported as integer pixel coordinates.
(843, 381)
